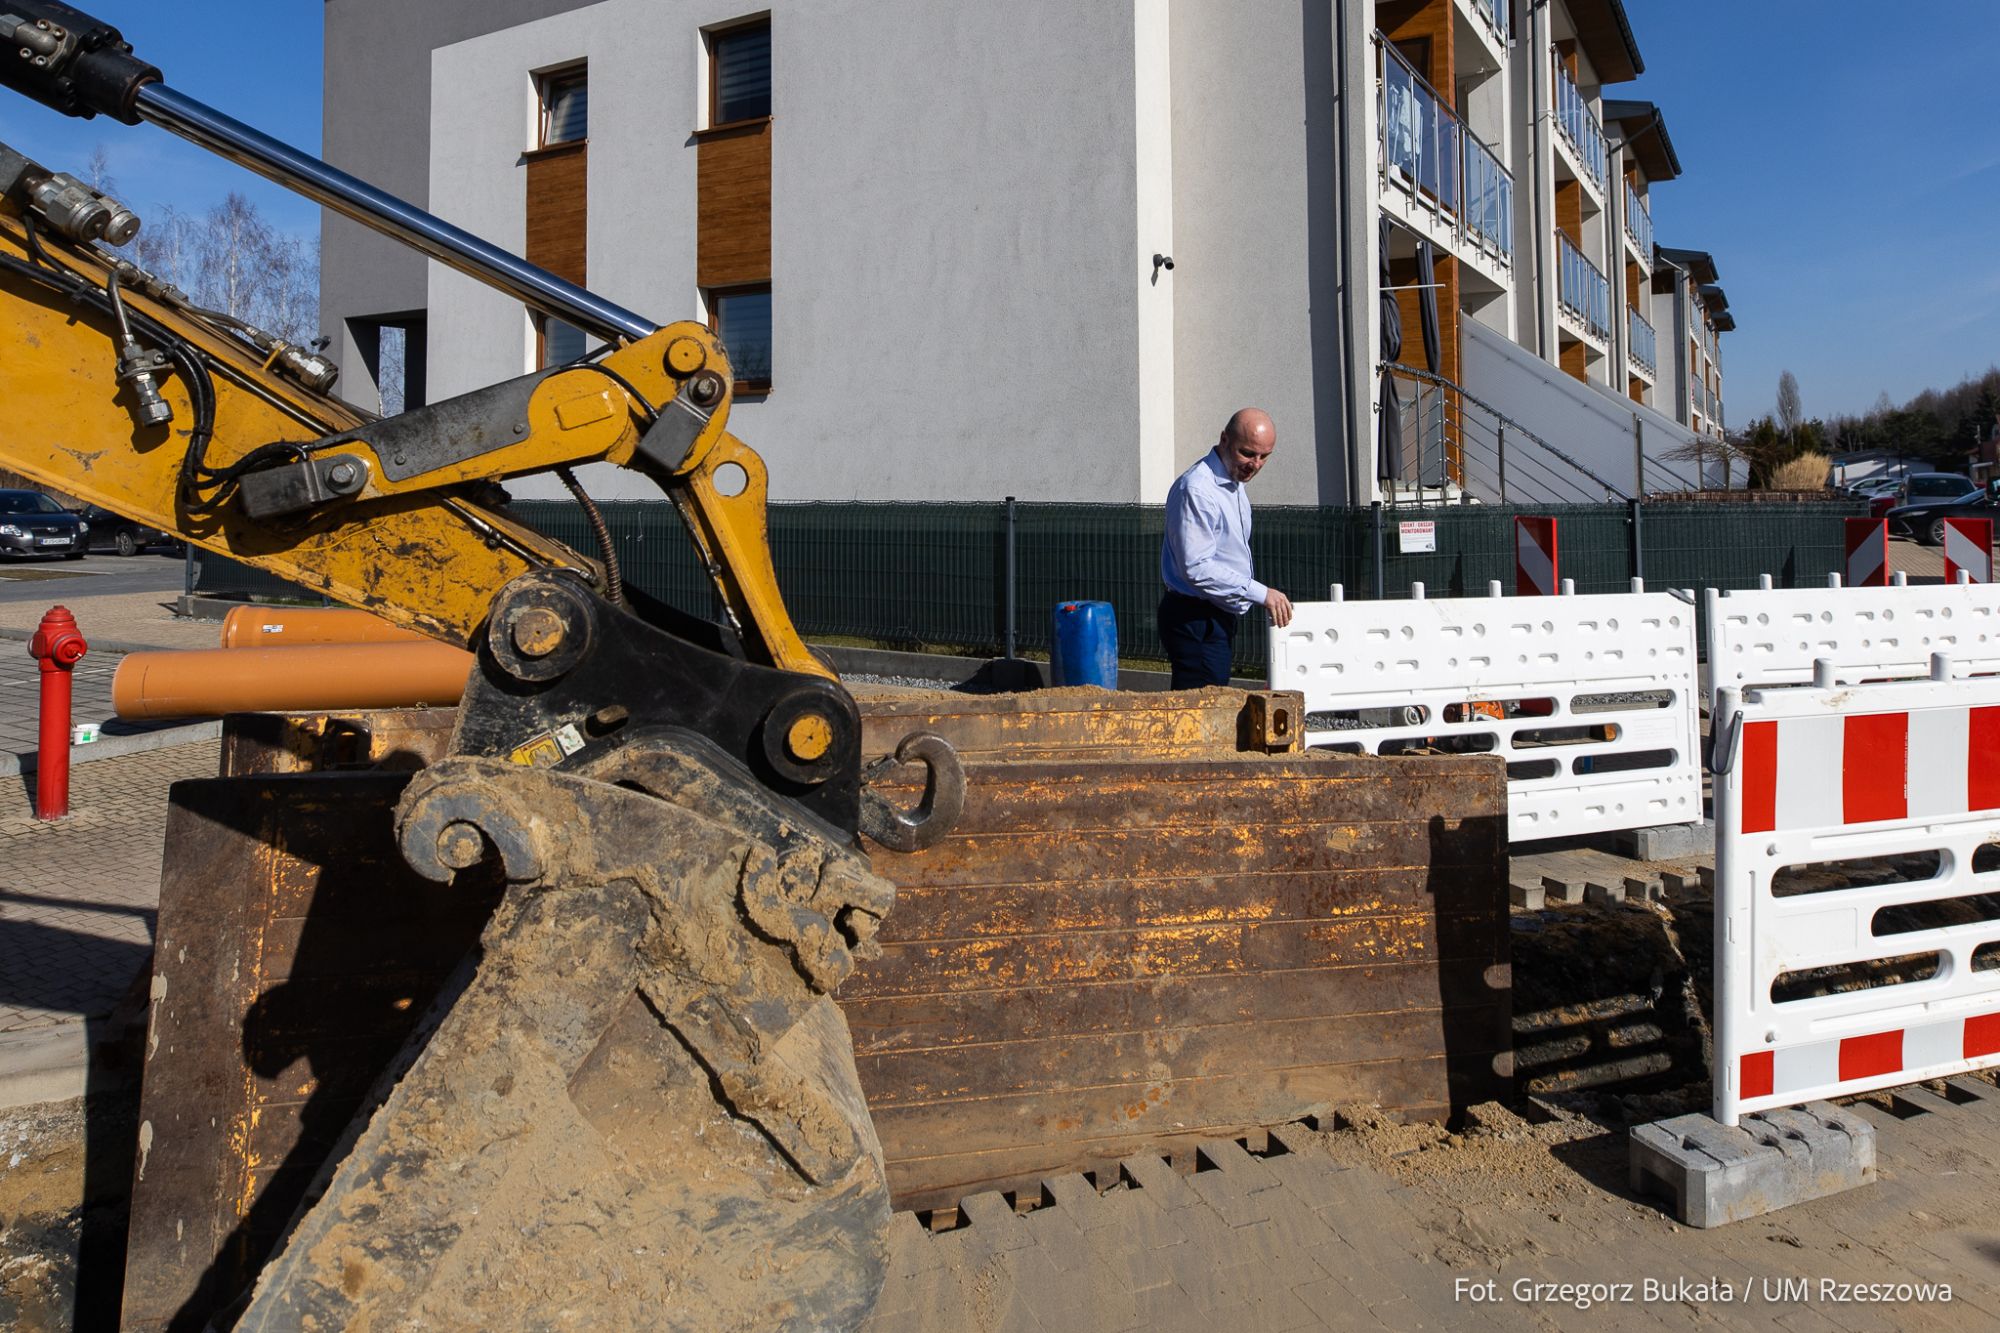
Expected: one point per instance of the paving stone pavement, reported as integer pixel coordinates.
(131, 619)
(1302, 1239)
(77, 895)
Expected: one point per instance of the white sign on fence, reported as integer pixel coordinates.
(1774, 636)
(1591, 700)
(1834, 977)
(1416, 535)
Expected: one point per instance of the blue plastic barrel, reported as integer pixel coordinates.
(1086, 645)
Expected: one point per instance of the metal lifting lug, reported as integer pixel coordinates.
(943, 799)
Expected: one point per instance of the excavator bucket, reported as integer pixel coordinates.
(491, 1098)
(603, 1084)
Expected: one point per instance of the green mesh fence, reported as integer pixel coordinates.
(934, 576)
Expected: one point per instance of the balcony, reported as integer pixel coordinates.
(1641, 343)
(1489, 198)
(1582, 291)
(1639, 224)
(1498, 17)
(1430, 153)
(1580, 128)
(1708, 406)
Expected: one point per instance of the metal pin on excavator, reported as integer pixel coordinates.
(638, 1105)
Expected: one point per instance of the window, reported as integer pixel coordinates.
(557, 343)
(741, 318)
(740, 73)
(565, 107)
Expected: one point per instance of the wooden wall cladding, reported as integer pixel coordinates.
(1569, 211)
(558, 210)
(1575, 359)
(733, 186)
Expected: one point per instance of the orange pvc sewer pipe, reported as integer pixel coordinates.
(289, 626)
(214, 681)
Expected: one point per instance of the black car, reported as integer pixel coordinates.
(32, 523)
(1924, 520)
(115, 532)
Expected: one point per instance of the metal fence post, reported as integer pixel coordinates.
(1011, 591)
(1638, 543)
(1638, 455)
(1501, 447)
(1375, 525)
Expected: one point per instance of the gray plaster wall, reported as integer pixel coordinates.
(1256, 239)
(956, 299)
(1586, 421)
(376, 124)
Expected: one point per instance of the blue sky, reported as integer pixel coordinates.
(1843, 170)
(257, 62)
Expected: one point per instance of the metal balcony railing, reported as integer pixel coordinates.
(1425, 145)
(1638, 223)
(1582, 290)
(1449, 440)
(1579, 127)
(1641, 342)
(1419, 131)
(1489, 198)
(1498, 17)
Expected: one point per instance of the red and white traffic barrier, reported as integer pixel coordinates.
(1534, 681)
(1832, 771)
(1867, 553)
(1823, 774)
(1537, 569)
(1968, 550)
(1764, 637)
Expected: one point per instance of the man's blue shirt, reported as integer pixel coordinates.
(1206, 553)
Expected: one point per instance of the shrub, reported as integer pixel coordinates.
(1807, 472)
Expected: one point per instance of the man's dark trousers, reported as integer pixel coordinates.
(1200, 639)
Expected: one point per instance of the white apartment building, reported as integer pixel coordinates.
(1043, 249)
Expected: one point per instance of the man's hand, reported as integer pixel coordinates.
(1280, 607)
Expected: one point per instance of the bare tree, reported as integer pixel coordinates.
(233, 260)
(98, 171)
(390, 378)
(1790, 411)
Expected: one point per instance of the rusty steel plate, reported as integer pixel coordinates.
(1114, 956)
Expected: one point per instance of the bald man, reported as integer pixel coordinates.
(1205, 559)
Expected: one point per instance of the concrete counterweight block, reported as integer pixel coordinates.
(1716, 1174)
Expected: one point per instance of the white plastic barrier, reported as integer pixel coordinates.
(1814, 777)
(1521, 676)
(1774, 636)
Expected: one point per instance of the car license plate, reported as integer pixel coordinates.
(52, 541)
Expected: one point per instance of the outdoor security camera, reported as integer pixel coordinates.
(1163, 262)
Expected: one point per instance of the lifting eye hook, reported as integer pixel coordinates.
(943, 800)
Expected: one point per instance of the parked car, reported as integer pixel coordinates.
(1870, 487)
(32, 523)
(1920, 487)
(1924, 520)
(115, 532)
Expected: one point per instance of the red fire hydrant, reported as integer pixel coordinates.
(58, 645)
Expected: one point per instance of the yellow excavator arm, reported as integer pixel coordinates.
(671, 807)
(254, 462)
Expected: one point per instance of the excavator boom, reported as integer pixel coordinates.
(636, 1102)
